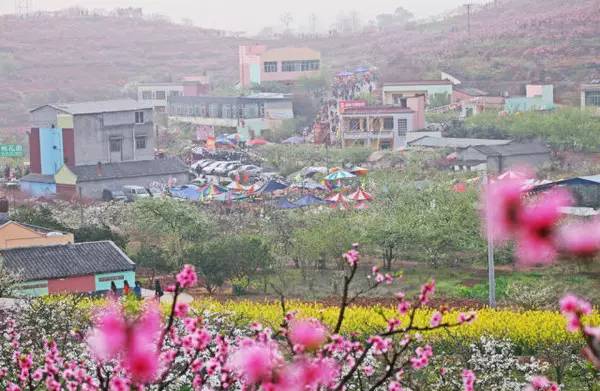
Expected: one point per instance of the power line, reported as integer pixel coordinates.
(22, 7)
(469, 6)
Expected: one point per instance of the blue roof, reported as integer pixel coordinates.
(309, 200)
(284, 203)
(272, 186)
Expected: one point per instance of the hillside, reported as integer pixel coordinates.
(67, 58)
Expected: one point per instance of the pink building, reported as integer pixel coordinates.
(258, 64)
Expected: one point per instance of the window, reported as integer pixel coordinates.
(388, 123)
(139, 117)
(174, 93)
(111, 278)
(147, 95)
(354, 124)
(115, 144)
(140, 142)
(160, 95)
(592, 98)
(402, 125)
(300, 66)
(270, 66)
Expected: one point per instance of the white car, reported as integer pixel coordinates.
(209, 169)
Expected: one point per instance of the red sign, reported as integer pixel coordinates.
(349, 104)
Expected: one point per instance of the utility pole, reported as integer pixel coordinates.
(468, 6)
(490, 253)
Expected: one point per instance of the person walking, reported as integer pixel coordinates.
(126, 288)
(158, 292)
(137, 290)
(113, 289)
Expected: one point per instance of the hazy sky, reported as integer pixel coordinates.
(251, 15)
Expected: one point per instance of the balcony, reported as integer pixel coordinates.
(354, 135)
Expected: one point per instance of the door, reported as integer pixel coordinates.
(116, 149)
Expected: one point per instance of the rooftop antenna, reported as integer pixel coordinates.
(469, 6)
(22, 7)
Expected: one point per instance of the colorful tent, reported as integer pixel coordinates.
(339, 175)
(360, 171)
(252, 190)
(210, 191)
(360, 195)
(309, 185)
(337, 198)
(188, 192)
(309, 200)
(257, 141)
(228, 197)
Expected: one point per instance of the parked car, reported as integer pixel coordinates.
(226, 168)
(220, 168)
(250, 169)
(135, 192)
(113, 195)
(211, 167)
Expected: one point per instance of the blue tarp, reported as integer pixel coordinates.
(309, 200)
(284, 203)
(188, 192)
(272, 186)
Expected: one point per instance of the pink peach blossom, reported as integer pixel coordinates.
(310, 334)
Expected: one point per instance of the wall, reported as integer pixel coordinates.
(155, 102)
(35, 159)
(13, 235)
(44, 117)
(37, 189)
(94, 189)
(288, 54)
(102, 281)
(390, 90)
(279, 110)
(498, 164)
(68, 138)
(417, 104)
(92, 134)
(33, 288)
(248, 55)
(80, 284)
(51, 150)
(225, 122)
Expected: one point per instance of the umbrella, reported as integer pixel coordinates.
(309, 200)
(294, 140)
(360, 195)
(361, 70)
(222, 139)
(273, 186)
(257, 141)
(360, 171)
(338, 175)
(309, 185)
(337, 198)
(236, 187)
(209, 191)
(334, 169)
(284, 203)
(345, 73)
(361, 205)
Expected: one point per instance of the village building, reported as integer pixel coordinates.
(380, 127)
(87, 268)
(590, 95)
(500, 158)
(453, 142)
(247, 115)
(436, 92)
(91, 134)
(538, 97)
(258, 64)
(157, 95)
(16, 235)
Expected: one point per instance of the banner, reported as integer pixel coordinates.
(210, 143)
(350, 104)
(11, 150)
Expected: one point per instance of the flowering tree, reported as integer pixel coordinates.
(127, 349)
(534, 223)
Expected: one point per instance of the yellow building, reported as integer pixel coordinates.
(17, 235)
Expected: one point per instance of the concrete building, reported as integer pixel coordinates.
(15, 235)
(590, 95)
(248, 115)
(436, 92)
(453, 142)
(538, 97)
(157, 94)
(499, 158)
(69, 268)
(381, 127)
(258, 64)
(88, 181)
(77, 136)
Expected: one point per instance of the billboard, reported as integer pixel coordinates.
(11, 150)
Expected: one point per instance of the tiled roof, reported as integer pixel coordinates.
(513, 149)
(103, 171)
(38, 178)
(454, 142)
(69, 260)
(419, 83)
(102, 106)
